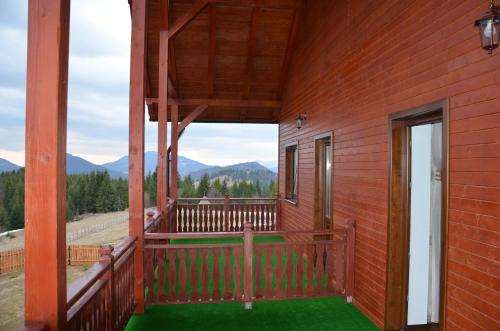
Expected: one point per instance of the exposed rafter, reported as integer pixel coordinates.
(247, 85)
(276, 4)
(192, 116)
(211, 51)
(229, 103)
(288, 54)
(187, 17)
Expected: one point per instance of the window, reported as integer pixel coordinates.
(292, 172)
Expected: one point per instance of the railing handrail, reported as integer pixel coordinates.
(231, 199)
(123, 247)
(80, 286)
(239, 234)
(88, 285)
(191, 235)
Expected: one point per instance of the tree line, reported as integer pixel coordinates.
(187, 188)
(97, 192)
(94, 192)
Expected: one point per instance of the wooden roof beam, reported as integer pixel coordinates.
(276, 4)
(247, 88)
(288, 54)
(172, 90)
(191, 117)
(229, 103)
(187, 17)
(211, 51)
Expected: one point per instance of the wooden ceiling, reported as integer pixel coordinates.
(235, 53)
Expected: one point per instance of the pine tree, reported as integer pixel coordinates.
(203, 186)
(188, 188)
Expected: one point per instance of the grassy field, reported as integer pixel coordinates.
(12, 297)
(115, 228)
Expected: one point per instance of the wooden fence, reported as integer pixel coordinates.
(13, 260)
(318, 266)
(226, 214)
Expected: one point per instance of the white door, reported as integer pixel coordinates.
(425, 224)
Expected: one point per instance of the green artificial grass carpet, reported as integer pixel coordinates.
(308, 314)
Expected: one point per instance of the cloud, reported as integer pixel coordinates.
(98, 93)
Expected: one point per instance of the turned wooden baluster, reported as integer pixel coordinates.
(226, 213)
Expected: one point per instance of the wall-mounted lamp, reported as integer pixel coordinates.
(489, 26)
(299, 121)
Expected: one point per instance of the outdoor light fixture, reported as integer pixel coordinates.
(489, 26)
(300, 120)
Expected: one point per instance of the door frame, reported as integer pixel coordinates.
(398, 225)
(317, 203)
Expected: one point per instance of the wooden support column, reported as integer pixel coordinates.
(162, 129)
(174, 141)
(136, 144)
(45, 178)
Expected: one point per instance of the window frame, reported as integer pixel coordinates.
(292, 183)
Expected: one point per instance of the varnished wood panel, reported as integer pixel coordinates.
(354, 64)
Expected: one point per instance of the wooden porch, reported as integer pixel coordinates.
(228, 61)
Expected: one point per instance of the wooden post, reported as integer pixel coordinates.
(278, 212)
(107, 257)
(162, 129)
(174, 141)
(136, 145)
(349, 260)
(45, 177)
(247, 260)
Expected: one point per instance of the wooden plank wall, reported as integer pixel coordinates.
(358, 61)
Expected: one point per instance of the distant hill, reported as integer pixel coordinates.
(249, 171)
(121, 165)
(77, 165)
(186, 165)
(271, 165)
(7, 166)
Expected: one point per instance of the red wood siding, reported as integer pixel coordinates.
(355, 63)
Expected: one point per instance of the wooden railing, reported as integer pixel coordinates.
(102, 298)
(226, 214)
(306, 264)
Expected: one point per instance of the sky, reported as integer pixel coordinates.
(98, 93)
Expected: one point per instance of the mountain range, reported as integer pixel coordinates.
(262, 170)
(248, 171)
